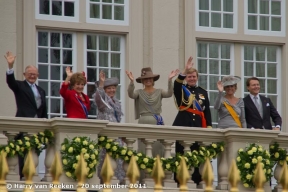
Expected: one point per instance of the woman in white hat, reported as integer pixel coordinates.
(109, 108)
(230, 108)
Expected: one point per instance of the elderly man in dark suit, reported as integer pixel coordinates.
(259, 109)
(30, 98)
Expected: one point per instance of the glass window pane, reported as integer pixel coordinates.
(94, 11)
(262, 85)
(215, 19)
(264, 7)
(202, 66)
(119, 13)
(93, 108)
(43, 71)
(55, 106)
(91, 42)
(213, 50)
(272, 86)
(260, 69)
(69, 9)
(203, 19)
(275, 24)
(271, 70)
(115, 44)
(42, 38)
(213, 82)
(202, 50)
(55, 40)
(264, 23)
(44, 7)
(55, 56)
(228, 21)
(92, 74)
(103, 59)
(55, 87)
(42, 55)
(260, 53)
(216, 5)
(225, 51)
(67, 57)
(106, 12)
(43, 85)
(203, 4)
(214, 115)
(106, 71)
(214, 67)
(228, 5)
(67, 40)
(107, 1)
(248, 52)
(115, 73)
(55, 72)
(276, 7)
(212, 98)
(248, 69)
(94, 0)
(119, 1)
(225, 67)
(91, 58)
(252, 22)
(90, 90)
(57, 8)
(271, 53)
(252, 6)
(273, 99)
(103, 42)
(202, 82)
(115, 60)
(118, 91)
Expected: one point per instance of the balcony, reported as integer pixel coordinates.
(148, 139)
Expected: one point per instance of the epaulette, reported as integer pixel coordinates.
(179, 80)
(202, 88)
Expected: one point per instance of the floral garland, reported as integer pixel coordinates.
(37, 142)
(278, 155)
(193, 159)
(247, 160)
(71, 150)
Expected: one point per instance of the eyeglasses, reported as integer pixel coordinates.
(32, 74)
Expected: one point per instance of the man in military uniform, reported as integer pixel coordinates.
(193, 105)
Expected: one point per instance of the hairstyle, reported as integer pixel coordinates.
(235, 85)
(30, 66)
(250, 79)
(77, 78)
(192, 70)
(148, 78)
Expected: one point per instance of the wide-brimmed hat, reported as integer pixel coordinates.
(230, 80)
(109, 82)
(147, 73)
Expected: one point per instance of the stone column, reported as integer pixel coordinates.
(49, 157)
(148, 179)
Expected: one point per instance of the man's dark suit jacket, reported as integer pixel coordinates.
(25, 100)
(253, 117)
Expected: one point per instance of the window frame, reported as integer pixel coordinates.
(281, 33)
(125, 22)
(232, 69)
(217, 29)
(55, 17)
(122, 69)
(278, 76)
(74, 67)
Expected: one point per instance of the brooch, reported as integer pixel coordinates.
(143, 73)
(200, 102)
(201, 96)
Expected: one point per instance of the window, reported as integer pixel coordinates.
(216, 15)
(106, 53)
(113, 12)
(55, 51)
(263, 62)
(59, 10)
(265, 17)
(213, 62)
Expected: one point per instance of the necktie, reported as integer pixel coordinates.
(34, 89)
(257, 104)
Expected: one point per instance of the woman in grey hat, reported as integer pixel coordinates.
(109, 108)
(230, 108)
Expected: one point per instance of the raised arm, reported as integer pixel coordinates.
(10, 78)
(218, 100)
(131, 93)
(169, 92)
(64, 92)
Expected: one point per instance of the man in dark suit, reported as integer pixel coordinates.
(259, 109)
(30, 98)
